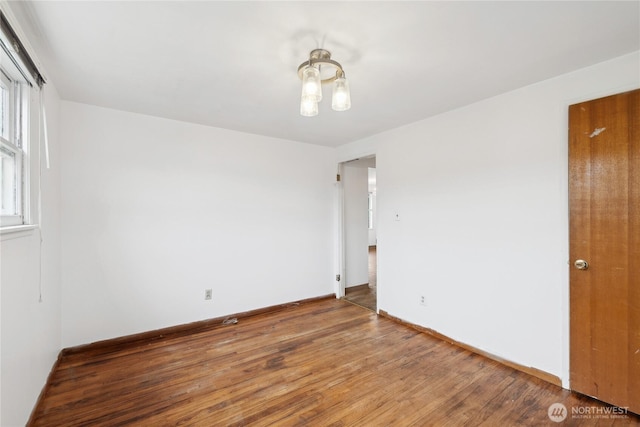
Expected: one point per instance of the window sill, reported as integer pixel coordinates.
(16, 231)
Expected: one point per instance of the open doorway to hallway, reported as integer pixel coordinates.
(360, 232)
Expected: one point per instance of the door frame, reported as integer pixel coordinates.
(340, 262)
(340, 240)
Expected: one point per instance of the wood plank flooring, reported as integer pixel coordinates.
(366, 295)
(323, 363)
(362, 295)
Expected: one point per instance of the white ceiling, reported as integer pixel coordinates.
(233, 64)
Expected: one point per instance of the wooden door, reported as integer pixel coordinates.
(604, 202)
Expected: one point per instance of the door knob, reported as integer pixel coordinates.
(581, 264)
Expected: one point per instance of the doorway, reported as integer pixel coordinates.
(604, 229)
(360, 232)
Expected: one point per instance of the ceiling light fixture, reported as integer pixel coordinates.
(314, 74)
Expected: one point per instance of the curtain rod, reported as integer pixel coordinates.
(20, 50)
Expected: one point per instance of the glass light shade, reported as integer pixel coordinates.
(308, 107)
(311, 84)
(341, 99)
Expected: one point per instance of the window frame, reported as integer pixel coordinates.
(20, 65)
(15, 142)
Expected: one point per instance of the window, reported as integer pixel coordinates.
(19, 83)
(13, 146)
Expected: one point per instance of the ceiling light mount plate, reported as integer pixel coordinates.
(321, 59)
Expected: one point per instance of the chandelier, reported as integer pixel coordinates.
(318, 70)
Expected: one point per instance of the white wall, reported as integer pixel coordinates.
(156, 211)
(483, 201)
(31, 330)
(356, 182)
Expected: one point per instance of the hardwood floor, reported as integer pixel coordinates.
(363, 296)
(323, 363)
(366, 295)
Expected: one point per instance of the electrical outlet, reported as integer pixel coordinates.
(208, 294)
(423, 300)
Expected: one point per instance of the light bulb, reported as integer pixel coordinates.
(308, 107)
(311, 84)
(341, 99)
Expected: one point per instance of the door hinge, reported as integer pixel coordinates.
(337, 277)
